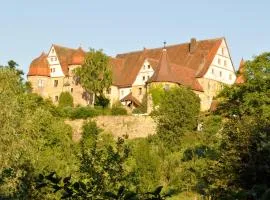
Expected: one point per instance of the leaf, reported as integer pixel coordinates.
(157, 190)
(67, 179)
(121, 191)
(110, 194)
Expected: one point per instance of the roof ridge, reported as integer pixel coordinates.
(63, 47)
(167, 46)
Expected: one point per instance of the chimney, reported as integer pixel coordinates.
(192, 45)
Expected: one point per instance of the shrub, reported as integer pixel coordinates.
(102, 101)
(118, 110)
(65, 99)
(83, 113)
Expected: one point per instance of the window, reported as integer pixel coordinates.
(40, 83)
(213, 71)
(144, 67)
(56, 98)
(52, 59)
(71, 90)
(52, 50)
(220, 73)
(149, 66)
(140, 91)
(225, 63)
(52, 70)
(219, 61)
(148, 77)
(55, 83)
(222, 51)
(143, 78)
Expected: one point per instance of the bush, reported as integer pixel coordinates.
(102, 101)
(83, 113)
(118, 110)
(137, 111)
(65, 99)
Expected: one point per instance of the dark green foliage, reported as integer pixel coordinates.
(177, 113)
(102, 101)
(83, 113)
(242, 169)
(118, 110)
(65, 100)
(141, 109)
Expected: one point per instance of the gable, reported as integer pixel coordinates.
(198, 59)
(221, 68)
(145, 73)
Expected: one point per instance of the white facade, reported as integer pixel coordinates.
(124, 92)
(55, 66)
(221, 68)
(144, 74)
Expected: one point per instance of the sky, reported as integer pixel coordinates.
(29, 27)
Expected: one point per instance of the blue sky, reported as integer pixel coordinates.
(28, 27)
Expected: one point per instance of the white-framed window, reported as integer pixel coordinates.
(55, 58)
(149, 66)
(222, 51)
(220, 73)
(148, 77)
(225, 63)
(213, 71)
(40, 83)
(219, 61)
(143, 78)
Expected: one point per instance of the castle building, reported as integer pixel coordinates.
(204, 66)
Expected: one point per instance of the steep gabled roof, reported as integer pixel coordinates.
(39, 66)
(198, 60)
(64, 55)
(131, 98)
(240, 78)
(165, 71)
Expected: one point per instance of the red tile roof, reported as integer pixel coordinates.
(198, 60)
(66, 56)
(240, 78)
(131, 98)
(39, 66)
(170, 72)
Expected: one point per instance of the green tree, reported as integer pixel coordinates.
(242, 169)
(95, 75)
(177, 113)
(65, 100)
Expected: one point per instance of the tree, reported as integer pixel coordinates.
(242, 169)
(95, 75)
(65, 100)
(178, 112)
